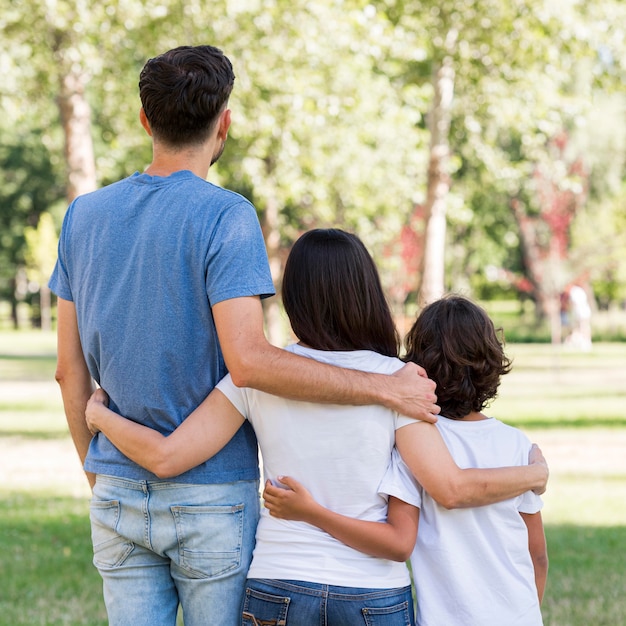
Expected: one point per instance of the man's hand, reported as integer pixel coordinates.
(535, 457)
(412, 393)
(292, 502)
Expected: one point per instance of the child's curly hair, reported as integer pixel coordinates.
(455, 341)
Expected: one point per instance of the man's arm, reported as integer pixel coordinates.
(73, 378)
(253, 362)
(424, 451)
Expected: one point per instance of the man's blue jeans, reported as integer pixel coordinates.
(298, 603)
(158, 544)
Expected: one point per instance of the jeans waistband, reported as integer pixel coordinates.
(148, 485)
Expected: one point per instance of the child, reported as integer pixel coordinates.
(482, 566)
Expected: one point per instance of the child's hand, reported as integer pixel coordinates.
(293, 503)
(99, 400)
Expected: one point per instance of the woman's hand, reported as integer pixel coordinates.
(98, 402)
(536, 458)
(292, 502)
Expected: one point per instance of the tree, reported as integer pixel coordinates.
(30, 184)
(325, 138)
(352, 114)
(509, 66)
(41, 254)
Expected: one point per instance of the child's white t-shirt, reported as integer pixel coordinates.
(472, 567)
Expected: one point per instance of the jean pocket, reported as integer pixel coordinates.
(396, 615)
(264, 609)
(110, 549)
(209, 538)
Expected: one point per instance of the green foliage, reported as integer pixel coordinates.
(329, 114)
(29, 186)
(41, 249)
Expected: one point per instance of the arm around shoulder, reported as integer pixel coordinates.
(253, 362)
(426, 454)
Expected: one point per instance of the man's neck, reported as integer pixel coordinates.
(165, 162)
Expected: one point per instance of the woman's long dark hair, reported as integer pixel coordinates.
(333, 296)
(454, 340)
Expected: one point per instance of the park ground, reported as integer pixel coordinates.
(572, 404)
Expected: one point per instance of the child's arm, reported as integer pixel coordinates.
(538, 550)
(393, 540)
(204, 433)
(423, 449)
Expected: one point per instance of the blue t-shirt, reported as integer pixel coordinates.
(143, 261)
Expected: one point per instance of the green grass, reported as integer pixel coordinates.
(586, 583)
(46, 557)
(27, 355)
(571, 403)
(553, 387)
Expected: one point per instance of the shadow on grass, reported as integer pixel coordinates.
(19, 367)
(43, 356)
(576, 423)
(34, 435)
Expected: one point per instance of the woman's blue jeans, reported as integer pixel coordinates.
(297, 603)
(157, 544)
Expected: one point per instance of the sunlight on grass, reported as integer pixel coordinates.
(562, 386)
(589, 501)
(28, 343)
(571, 404)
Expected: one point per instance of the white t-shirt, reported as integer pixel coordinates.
(472, 567)
(340, 454)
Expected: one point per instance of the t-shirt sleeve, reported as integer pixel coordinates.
(236, 395)
(399, 482)
(237, 264)
(403, 420)
(59, 282)
(528, 502)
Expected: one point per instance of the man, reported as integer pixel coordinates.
(160, 278)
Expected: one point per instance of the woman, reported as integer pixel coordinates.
(334, 300)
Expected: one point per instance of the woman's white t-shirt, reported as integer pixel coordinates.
(340, 454)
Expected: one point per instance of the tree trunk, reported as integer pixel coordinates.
(271, 306)
(536, 267)
(438, 185)
(45, 307)
(75, 115)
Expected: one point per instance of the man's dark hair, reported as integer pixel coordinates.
(183, 91)
(333, 297)
(454, 340)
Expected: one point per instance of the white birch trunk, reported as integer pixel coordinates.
(438, 185)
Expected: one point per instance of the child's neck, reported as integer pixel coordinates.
(474, 417)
